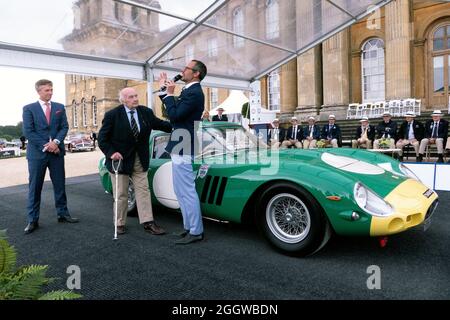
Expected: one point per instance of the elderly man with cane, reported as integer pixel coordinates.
(124, 139)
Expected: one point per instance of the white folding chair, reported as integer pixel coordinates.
(394, 108)
(417, 106)
(408, 106)
(351, 110)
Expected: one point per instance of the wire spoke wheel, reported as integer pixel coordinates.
(288, 218)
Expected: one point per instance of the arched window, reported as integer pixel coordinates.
(134, 15)
(212, 47)
(117, 11)
(273, 84)
(272, 19)
(441, 60)
(94, 111)
(214, 98)
(84, 112)
(238, 27)
(189, 53)
(75, 114)
(372, 60)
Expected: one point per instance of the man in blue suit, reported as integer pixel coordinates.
(45, 126)
(183, 113)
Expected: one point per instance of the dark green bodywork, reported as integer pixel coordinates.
(231, 186)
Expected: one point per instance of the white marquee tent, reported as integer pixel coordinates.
(51, 35)
(232, 104)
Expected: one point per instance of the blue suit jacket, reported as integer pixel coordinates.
(316, 132)
(38, 131)
(182, 113)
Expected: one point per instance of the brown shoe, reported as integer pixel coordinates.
(120, 229)
(153, 228)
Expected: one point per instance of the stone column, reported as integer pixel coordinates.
(309, 83)
(288, 87)
(336, 86)
(398, 50)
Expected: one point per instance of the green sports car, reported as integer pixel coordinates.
(296, 197)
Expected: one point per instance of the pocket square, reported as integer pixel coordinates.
(58, 112)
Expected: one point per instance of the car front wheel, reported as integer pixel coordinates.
(292, 220)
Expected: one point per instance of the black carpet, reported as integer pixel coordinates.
(234, 262)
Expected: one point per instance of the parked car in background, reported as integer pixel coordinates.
(78, 142)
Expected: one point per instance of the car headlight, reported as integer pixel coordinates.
(408, 172)
(370, 202)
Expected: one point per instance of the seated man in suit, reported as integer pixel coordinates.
(410, 133)
(436, 130)
(220, 116)
(311, 133)
(331, 132)
(386, 129)
(365, 134)
(276, 135)
(294, 135)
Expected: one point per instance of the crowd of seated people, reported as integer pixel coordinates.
(307, 137)
(386, 134)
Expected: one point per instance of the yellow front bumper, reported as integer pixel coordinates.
(410, 207)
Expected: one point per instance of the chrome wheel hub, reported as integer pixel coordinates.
(288, 218)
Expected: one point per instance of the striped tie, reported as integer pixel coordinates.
(134, 126)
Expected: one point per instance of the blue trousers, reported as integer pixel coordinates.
(184, 186)
(37, 169)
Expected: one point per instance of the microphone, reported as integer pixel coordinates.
(175, 79)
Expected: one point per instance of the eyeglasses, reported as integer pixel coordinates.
(192, 69)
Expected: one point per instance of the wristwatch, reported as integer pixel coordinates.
(56, 141)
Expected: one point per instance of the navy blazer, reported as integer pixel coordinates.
(335, 132)
(442, 129)
(216, 118)
(299, 133)
(281, 134)
(38, 132)
(316, 132)
(370, 132)
(116, 135)
(418, 129)
(385, 129)
(183, 113)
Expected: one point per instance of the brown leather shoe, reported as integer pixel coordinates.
(153, 228)
(120, 230)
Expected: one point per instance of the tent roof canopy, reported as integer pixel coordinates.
(232, 104)
(239, 40)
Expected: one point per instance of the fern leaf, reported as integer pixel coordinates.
(8, 257)
(32, 278)
(60, 295)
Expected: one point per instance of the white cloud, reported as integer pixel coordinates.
(17, 87)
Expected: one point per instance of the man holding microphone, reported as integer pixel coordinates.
(182, 114)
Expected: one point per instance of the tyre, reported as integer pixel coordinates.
(292, 220)
(132, 207)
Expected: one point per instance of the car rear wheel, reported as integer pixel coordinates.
(132, 207)
(292, 220)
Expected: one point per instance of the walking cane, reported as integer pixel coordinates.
(116, 196)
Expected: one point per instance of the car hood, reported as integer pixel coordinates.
(342, 167)
(378, 172)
